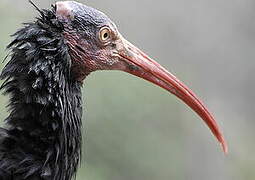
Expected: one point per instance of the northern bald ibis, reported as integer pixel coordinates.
(49, 60)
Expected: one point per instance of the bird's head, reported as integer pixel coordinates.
(95, 44)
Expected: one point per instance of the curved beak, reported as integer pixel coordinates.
(135, 62)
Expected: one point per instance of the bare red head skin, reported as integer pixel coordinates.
(96, 44)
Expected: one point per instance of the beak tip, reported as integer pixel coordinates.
(155, 73)
(224, 146)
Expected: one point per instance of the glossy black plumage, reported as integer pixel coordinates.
(49, 59)
(42, 136)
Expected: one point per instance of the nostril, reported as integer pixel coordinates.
(133, 67)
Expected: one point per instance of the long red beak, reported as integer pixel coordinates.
(139, 64)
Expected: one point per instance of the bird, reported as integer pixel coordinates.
(49, 59)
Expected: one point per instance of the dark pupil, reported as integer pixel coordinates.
(105, 35)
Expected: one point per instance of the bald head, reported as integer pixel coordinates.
(82, 14)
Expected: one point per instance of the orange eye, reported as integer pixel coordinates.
(105, 34)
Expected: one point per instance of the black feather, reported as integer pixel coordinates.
(42, 139)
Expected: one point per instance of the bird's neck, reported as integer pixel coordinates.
(44, 124)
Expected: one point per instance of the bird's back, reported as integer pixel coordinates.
(17, 162)
(42, 137)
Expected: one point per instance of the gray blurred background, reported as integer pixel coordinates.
(135, 130)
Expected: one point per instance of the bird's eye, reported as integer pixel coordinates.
(105, 34)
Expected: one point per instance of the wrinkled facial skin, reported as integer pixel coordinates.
(82, 27)
(91, 49)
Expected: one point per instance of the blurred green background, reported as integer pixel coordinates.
(135, 130)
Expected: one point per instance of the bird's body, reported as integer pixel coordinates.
(49, 60)
(43, 139)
